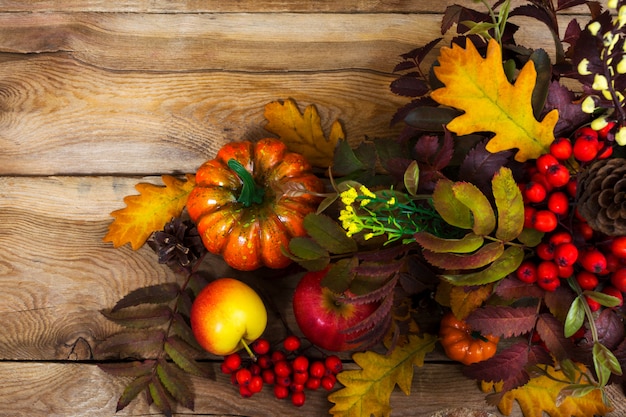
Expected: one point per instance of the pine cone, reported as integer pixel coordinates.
(602, 196)
(178, 244)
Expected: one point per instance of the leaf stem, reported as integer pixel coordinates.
(251, 192)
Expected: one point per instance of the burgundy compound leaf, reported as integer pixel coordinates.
(550, 330)
(159, 396)
(508, 365)
(154, 294)
(511, 288)
(128, 369)
(132, 344)
(503, 321)
(176, 384)
(610, 328)
(133, 389)
(410, 85)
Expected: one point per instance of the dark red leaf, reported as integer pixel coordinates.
(375, 295)
(551, 332)
(610, 328)
(153, 294)
(132, 390)
(480, 165)
(410, 85)
(128, 369)
(538, 13)
(142, 318)
(570, 112)
(132, 344)
(511, 288)
(504, 366)
(503, 321)
(559, 302)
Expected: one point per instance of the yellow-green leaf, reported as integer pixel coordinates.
(510, 205)
(464, 300)
(367, 391)
(450, 261)
(449, 207)
(483, 217)
(149, 211)
(507, 263)
(480, 88)
(302, 132)
(468, 243)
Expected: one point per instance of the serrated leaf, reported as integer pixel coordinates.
(152, 294)
(483, 217)
(454, 212)
(177, 386)
(133, 389)
(128, 369)
(159, 397)
(302, 132)
(575, 317)
(503, 321)
(143, 318)
(453, 261)
(340, 275)
(468, 243)
(541, 393)
(500, 268)
(179, 352)
(464, 300)
(480, 88)
(509, 204)
(328, 234)
(306, 248)
(366, 391)
(149, 211)
(182, 329)
(551, 332)
(132, 344)
(412, 178)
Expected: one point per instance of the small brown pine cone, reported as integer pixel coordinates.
(602, 196)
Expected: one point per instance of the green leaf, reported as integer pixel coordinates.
(530, 237)
(179, 351)
(431, 119)
(500, 268)
(484, 219)
(328, 234)
(159, 397)
(575, 317)
(340, 275)
(177, 386)
(510, 205)
(484, 256)
(133, 389)
(602, 298)
(154, 294)
(308, 253)
(468, 243)
(411, 178)
(449, 207)
(544, 77)
(605, 363)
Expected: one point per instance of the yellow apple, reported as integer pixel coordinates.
(227, 315)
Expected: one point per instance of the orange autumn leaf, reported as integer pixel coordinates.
(480, 88)
(541, 394)
(149, 211)
(367, 390)
(302, 132)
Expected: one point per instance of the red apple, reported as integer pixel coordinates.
(323, 317)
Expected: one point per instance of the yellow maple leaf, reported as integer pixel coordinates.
(302, 132)
(149, 211)
(367, 390)
(541, 394)
(491, 103)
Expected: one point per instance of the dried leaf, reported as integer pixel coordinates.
(464, 300)
(411, 178)
(149, 211)
(302, 132)
(153, 294)
(480, 88)
(367, 390)
(541, 393)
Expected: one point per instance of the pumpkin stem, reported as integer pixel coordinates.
(250, 191)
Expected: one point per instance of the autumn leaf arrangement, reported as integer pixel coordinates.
(493, 225)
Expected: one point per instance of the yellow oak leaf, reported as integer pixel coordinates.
(367, 390)
(149, 211)
(541, 394)
(491, 103)
(464, 300)
(302, 132)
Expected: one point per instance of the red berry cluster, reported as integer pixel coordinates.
(570, 247)
(288, 371)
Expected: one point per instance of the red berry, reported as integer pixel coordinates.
(317, 369)
(558, 176)
(261, 346)
(545, 162)
(300, 378)
(313, 383)
(232, 361)
(605, 151)
(561, 148)
(559, 237)
(565, 254)
(264, 361)
(535, 192)
(544, 221)
(284, 381)
(549, 284)
(269, 377)
(300, 364)
(547, 271)
(298, 398)
(584, 230)
(587, 281)
(256, 384)
(225, 369)
(612, 291)
(593, 260)
(291, 343)
(243, 376)
(545, 251)
(586, 144)
(593, 304)
(529, 214)
(278, 355)
(604, 132)
(566, 271)
(294, 387)
(571, 187)
(333, 364)
(558, 203)
(527, 272)
(618, 279)
(245, 391)
(586, 133)
(328, 382)
(618, 247)
(282, 368)
(281, 392)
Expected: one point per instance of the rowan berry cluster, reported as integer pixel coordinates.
(570, 248)
(288, 371)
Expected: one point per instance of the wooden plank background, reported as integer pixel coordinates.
(96, 96)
